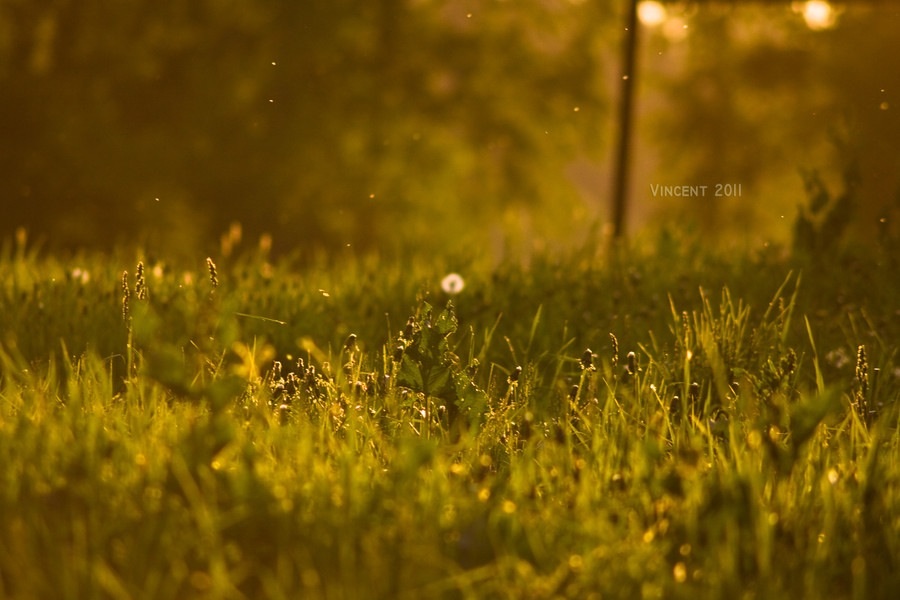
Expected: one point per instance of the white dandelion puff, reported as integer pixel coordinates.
(452, 283)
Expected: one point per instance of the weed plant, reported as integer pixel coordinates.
(656, 423)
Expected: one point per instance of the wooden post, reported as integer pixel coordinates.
(626, 101)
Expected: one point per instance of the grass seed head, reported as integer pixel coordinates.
(587, 361)
(694, 393)
(410, 329)
(862, 368)
(862, 383)
(291, 384)
(631, 363)
(213, 273)
(615, 350)
(126, 296)
(675, 407)
(472, 369)
(140, 286)
(350, 344)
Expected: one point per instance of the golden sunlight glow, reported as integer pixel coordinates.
(675, 29)
(818, 14)
(651, 13)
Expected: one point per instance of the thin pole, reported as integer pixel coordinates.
(620, 191)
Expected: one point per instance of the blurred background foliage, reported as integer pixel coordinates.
(771, 95)
(412, 125)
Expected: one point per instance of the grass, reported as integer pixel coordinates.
(657, 424)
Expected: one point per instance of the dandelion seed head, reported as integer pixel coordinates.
(453, 283)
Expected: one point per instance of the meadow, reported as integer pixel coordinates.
(659, 420)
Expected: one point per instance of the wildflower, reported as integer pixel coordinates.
(21, 238)
(231, 239)
(80, 275)
(265, 243)
(452, 283)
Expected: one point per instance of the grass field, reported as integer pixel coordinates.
(658, 422)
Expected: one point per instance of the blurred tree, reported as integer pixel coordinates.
(383, 123)
(755, 96)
